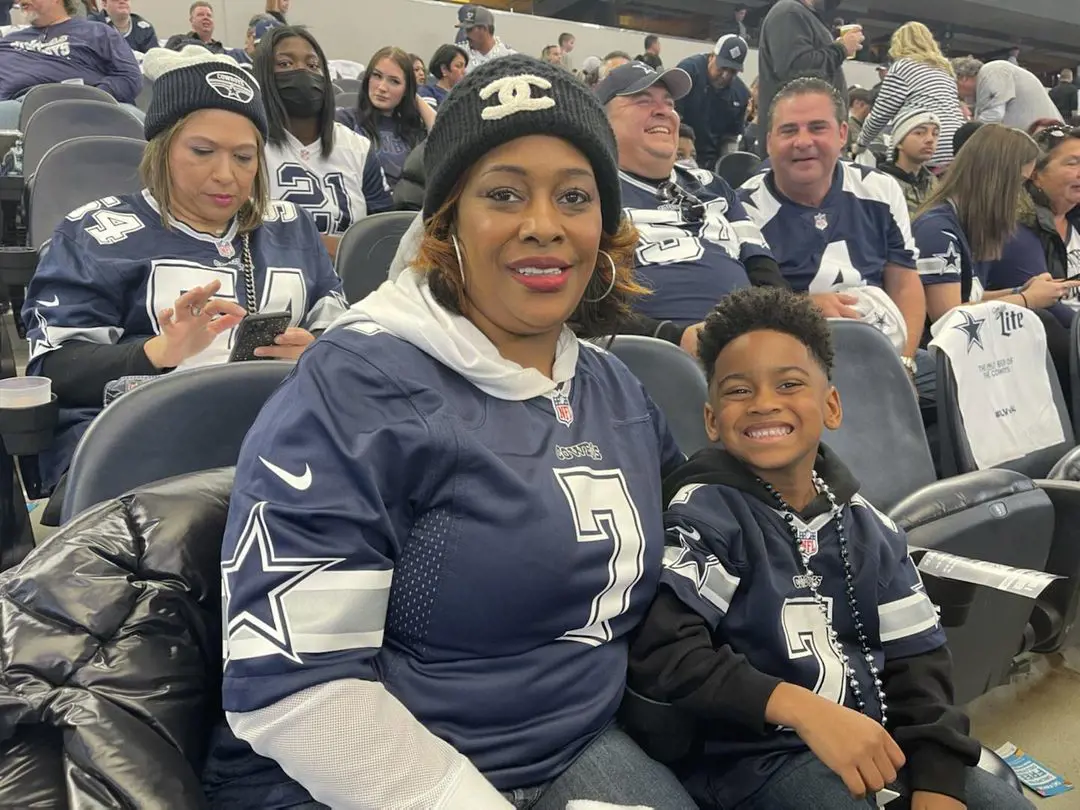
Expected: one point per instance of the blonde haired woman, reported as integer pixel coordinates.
(920, 76)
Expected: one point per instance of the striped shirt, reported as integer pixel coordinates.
(910, 84)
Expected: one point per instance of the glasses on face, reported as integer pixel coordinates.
(691, 209)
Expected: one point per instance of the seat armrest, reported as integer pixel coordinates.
(957, 494)
(1067, 468)
(17, 265)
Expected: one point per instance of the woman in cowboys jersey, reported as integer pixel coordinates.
(446, 523)
(311, 160)
(138, 285)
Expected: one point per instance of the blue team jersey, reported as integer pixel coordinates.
(483, 559)
(74, 49)
(432, 94)
(944, 254)
(691, 253)
(111, 266)
(731, 560)
(861, 226)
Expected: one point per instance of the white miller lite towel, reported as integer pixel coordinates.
(998, 354)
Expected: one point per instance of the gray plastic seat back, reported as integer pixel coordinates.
(60, 121)
(41, 95)
(367, 249)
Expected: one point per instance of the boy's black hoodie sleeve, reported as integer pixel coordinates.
(673, 660)
(926, 725)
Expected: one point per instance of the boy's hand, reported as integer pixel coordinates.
(854, 747)
(921, 800)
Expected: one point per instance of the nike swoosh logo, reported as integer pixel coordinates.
(300, 482)
(55, 302)
(690, 534)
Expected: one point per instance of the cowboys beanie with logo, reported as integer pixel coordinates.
(195, 79)
(509, 98)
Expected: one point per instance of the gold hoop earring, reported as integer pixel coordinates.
(611, 286)
(460, 263)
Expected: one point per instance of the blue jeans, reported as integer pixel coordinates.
(804, 783)
(9, 113)
(612, 769)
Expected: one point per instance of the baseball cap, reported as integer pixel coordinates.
(730, 51)
(475, 15)
(262, 27)
(634, 77)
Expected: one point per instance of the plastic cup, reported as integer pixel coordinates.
(25, 392)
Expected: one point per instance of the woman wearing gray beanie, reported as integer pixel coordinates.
(446, 523)
(138, 285)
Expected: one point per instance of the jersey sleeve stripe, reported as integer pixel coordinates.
(906, 617)
(747, 231)
(245, 644)
(708, 577)
(933, 266)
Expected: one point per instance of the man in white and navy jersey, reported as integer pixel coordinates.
(697, 244)
(839, 231)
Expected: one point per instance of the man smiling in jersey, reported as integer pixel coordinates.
(696, 242)
(840, 232)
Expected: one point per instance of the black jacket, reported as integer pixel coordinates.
(110, 659)
(1036, 217)
(1064, 96)
(673, 658)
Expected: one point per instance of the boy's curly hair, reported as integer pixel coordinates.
(768, 308)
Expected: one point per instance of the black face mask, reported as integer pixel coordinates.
(301, 92)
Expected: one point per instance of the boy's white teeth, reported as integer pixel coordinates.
(539, 271)
(768, 433)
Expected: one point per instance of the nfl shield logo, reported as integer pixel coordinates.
(808, 544)
(560, 401)
(821, 222)
(226, 250)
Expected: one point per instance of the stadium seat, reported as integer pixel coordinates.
(349, 85)
(674, 381)
(409, 191)
(60, 121)
(77, 172)
(41, 95)
(737, 167)
(16, 535)
(878, 402)
(346, 100)
(183, 422)
(882, 441)
(142, 101)
(1074, 373)
(367, 249)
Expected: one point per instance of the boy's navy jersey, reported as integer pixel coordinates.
(112, 266)
(483, 559)
(731, 560)
(945, 256)
(691, 252)
(74, 49)
(861, 226)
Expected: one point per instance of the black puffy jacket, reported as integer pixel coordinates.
(110, 653)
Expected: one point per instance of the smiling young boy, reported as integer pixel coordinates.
(790, 621)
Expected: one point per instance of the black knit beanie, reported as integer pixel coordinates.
(511, 97)
(195, 79)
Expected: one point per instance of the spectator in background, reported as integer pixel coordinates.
(1066, 95)
(58, 47)
(716, 104)
(201, 17)
(479, 26)
(278, 9)
(686, 154)
(963, 135)
(566, 45)
(696, 243)
(737, 24)
(552, 54)
(1002, 92)
(137, 32)
(859, 101)
(914, 138)
(311, 160)
(920, 77)
(651, 57)
(590, 71)
(389, 111)
(840, 232)
(258, 26)
(447, 69)
(463, 12)
(1014, 55)
(795, 41)
(419, 70)
(1046, 245)
(613, 60)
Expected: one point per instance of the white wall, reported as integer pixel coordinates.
(355, 29)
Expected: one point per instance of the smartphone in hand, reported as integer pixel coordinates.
(255, 331)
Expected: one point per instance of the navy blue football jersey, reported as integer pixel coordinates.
(483, 559)
(944, 254)
(862, 225)
(731, 559)
(693, 246)
(111, 266)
